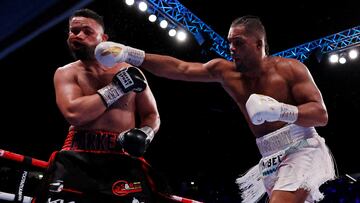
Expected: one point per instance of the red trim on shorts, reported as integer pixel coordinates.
(70, 139)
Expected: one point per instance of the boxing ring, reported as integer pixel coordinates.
(41, 165)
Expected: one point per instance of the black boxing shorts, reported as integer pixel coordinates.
(90, 170)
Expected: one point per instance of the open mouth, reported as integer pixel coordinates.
(77, 44)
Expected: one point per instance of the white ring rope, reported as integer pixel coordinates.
(11, 197)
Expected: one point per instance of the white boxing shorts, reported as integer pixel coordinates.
(293, 157)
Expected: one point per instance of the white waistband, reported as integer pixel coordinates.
(282, 138)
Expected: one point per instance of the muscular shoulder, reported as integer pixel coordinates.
(68, 71)
(70, 67)
(292, 69)
(218, 66)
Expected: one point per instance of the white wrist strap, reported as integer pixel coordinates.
(149, 132)
(289, 113)
(135, 57)
(110, 93)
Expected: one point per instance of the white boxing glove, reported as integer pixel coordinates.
(263, 108)
(109, 53)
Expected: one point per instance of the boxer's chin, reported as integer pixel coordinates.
(82, 53)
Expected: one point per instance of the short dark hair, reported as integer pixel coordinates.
(87, 13)
(252, 24)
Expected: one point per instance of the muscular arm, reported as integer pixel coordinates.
(312, 110)
(77, 108)
(109, 53)
(173, 68)
(147, 109)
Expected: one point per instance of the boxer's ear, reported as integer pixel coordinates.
(259, 44)
(104, 37)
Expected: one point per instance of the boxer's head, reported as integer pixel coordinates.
(247, 39)
(86, 30)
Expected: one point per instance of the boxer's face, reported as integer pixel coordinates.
(242, 47)
(84, 35)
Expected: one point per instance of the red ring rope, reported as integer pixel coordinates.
(20, 158)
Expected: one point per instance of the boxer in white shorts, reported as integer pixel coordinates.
(293, 157)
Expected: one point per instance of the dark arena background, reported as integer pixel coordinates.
(203, 143)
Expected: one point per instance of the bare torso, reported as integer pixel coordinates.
(272, 82)
(121, 115)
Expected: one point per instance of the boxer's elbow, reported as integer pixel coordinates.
(77, 113)
(323, 117)
(157, 123)
(76, 118)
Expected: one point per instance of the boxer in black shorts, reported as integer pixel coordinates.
(101, 157)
